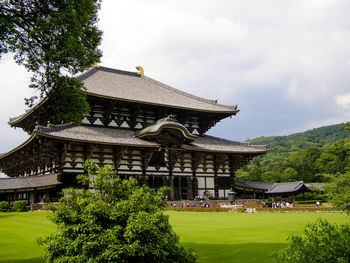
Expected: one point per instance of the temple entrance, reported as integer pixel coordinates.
(155, 181)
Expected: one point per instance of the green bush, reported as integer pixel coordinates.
(20, 206)
(314, 195)
(307, 202)
(268, 204)
(4, 206)
(321, 242)
(116, 221)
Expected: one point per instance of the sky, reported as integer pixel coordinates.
(286, 64)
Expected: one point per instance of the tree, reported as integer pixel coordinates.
(322, 242)
(289, 175)
(54, 40)
(338, 191)
(114, 221)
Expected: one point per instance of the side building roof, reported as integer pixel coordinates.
(254, 185)
(273, 188)
(29, 182)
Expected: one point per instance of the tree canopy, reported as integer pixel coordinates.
(114, 221)
(322, 242)
(312, 164)
(54, 40)
(338, 191)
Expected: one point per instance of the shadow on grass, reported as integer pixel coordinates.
(30, 260)
(6, 214)
(242, 253)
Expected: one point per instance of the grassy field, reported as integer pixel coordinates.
(215, 237)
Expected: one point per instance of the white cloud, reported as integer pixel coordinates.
(343, 101)
(282, 62)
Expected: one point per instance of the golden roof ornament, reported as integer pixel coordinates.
(140, 69)
(95, 65)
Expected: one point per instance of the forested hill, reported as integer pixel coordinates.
(307, 156)
(318, 137)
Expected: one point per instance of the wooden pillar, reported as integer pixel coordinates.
(15, 195)
(243, 192)
(171, 177)
(180, 188)
(166, 183)
(263, 195)
(145, 180)
(254, 194)
(171, 184)
(216, 168)
(34, 196)
(195, 186)
(189, 188)
(232, 173)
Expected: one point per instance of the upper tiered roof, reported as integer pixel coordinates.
(130, 86)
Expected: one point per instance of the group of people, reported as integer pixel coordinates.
(183, 205)
(282, 204)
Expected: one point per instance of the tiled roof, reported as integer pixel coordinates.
(114, 136)
(206, 142)
(94, 134)
(286, 187)
(273, 188)
(28, 182)
(254, 185)
(126, 137)
(166, 123)
(130, 86)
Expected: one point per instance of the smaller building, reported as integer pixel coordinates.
(257, 190)
(32, 189)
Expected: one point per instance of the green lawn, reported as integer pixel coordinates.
(215, 237)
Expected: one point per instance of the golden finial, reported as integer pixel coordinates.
(95, 65)
(140, 69)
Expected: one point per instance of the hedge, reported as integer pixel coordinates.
(20, 206)
(307, 202)
(4, 206)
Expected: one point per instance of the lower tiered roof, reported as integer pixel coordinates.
(108, 136)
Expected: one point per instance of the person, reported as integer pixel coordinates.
(318, 203)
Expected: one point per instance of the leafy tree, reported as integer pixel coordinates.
(338, 191)
(114, 221)
(54, 40)
(322, 242)
(290, 175)
(270, 177)
(242, 175)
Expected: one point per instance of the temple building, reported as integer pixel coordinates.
(144, 128)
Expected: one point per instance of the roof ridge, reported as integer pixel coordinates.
(55, 127)
(226, 140)
(264, 147)
(214, 102)
(273, 186)
(92, 70)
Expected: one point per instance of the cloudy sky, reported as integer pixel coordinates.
(285, 63)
